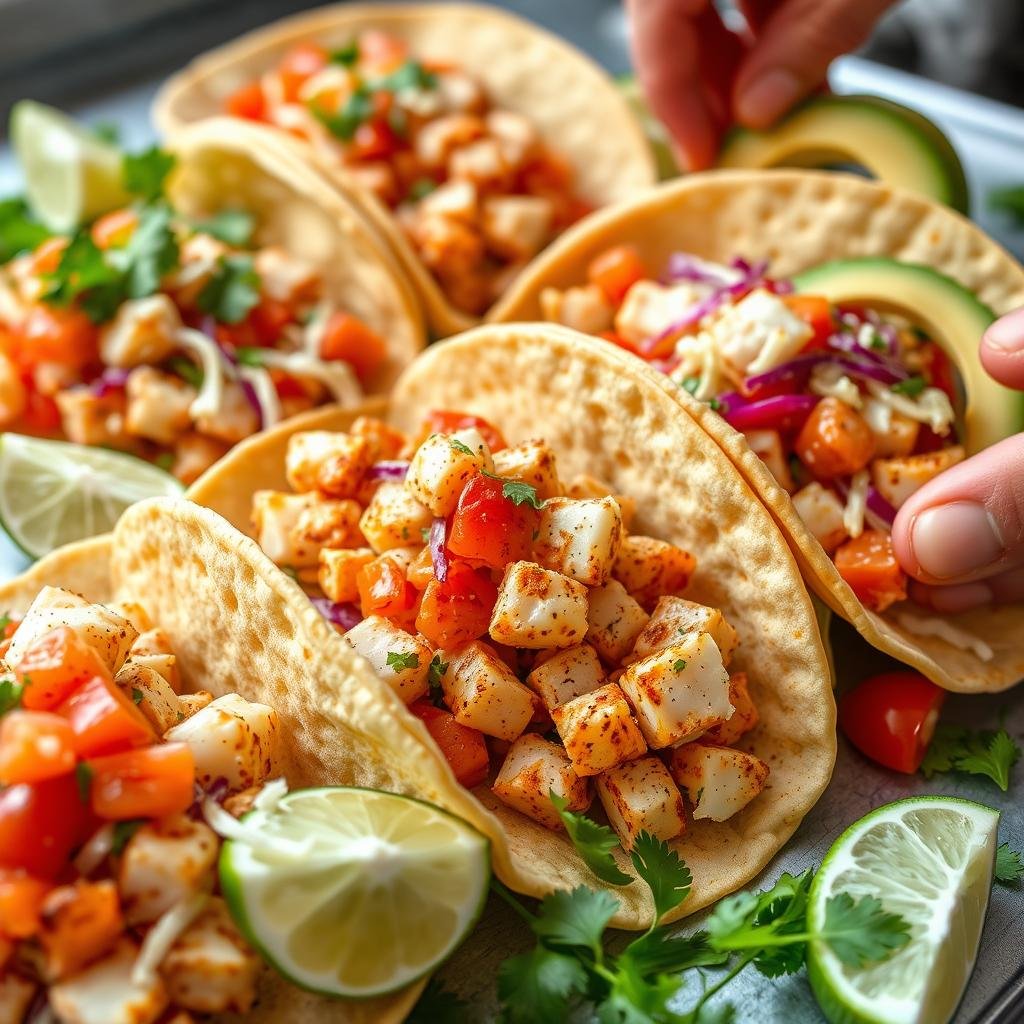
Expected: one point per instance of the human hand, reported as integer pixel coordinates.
(961, 536)
(699, 78)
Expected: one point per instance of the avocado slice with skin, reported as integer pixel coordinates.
(950, 315)
(893, 143)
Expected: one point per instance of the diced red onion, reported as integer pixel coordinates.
(684, 267)
(877, 504)
(338, 613)
(438, 555)
(394, 469)
(110, 380)
(250, 396)
(780, 412)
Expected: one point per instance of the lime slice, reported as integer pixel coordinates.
(354, 892)
(53, 492)
(71, 176)
(930, 860)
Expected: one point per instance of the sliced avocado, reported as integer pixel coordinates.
(893, 143)
(949, 313)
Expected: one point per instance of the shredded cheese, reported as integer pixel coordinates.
(337, 376)
(211, 394)
(944, 630)
(270, 796)
(829, 381)
(161, 938)
(932, 406)
(856, 503)
(265, 392)
(227, 826)
(95, 850)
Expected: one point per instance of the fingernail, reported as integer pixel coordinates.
(1007, 333)
(769, 96)
(956, 539)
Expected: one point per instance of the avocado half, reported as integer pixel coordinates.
(949, 313)
(893, 143)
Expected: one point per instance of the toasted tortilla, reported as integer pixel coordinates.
(574, 103)
(607, 415)
(225, 163)
(797, 220)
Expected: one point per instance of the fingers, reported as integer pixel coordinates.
(666, 54)
(1002, 350)
(968, 523)
(793, 51)
(1002, 589)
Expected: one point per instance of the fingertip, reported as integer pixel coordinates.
(1002, 349)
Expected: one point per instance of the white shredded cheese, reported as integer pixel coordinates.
(856, 503)
(270, 796)
(313, 332)
(265, 392)
(211, 394)
(161, 938)
(95, 850)
(758, 333)
(337, 376)
(944, 630)
(828, 380)
(227, 826)
(932, 406)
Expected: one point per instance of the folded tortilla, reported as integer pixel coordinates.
(607, 415)
(225, 163)
(797, 220)
(574, 103)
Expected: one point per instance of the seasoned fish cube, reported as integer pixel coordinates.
(141, 333)
(649, 568)
(292, 528)
(399, 658)
(640, 796)
(533, 768)
(151, 693)
(598, 730)
(393, 518)
(385, 441)
(338, 570)
(583, 308)
(822, 513)
(533, 462)
(897, 479)
(158, 405)
(538, 608)
(579, 539)
(678, 692)
(566, 675)
(744, 715)
(615, 621)
(894, 433)
(586, 486)
(443, 465)
(674, 618)
(517, 227)
(718, 780)
(331, 462)
(153, 649)
(482, 692)
(284, 276)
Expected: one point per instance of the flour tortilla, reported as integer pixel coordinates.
(607, 415)
(799, 219)
(574, 103)
(225, 163)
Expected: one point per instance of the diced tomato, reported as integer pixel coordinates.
(40, 824)
(446, 421)
(35, 745)
(459, 610)
(21, 897)
(464, 749)
(115, 228)
(941, 374)
(834, 441)
(616, 270)
(892, 717)
(816, 312)
(380, 52)
(151, 782)
(46, 258)
(268, 319)
(80, 923)
(248, 102)
(384, 590)
(928, 441)
(54, 335)
(617, 339)
(41, 416)
(487, 527)
(55, 665)
(298, 65)
(104, 719)
(375, 140)
(347, 338)
(868, 563)
(421, 569)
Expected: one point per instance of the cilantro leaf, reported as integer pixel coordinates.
(732, 914)
(576, 918)
(19, 229)
(521, 494)
(247, 356)
(84, 275)
(231, 226)
(862, 932)
(151, 252)
(460, 446)
(438, 1006)
(123, 831)
(956, 749)
(411, 75)
(1009, 866)
(690, 384)
(83, 778)
(593, 842)
(679, 665)
(137, 695)
(357, 109)
(658, 951)
(10, 695)
(144, 174)
(347, 55)
(633, 999)
(664, 871)
(232, 291)
(538, 987)
(422, 187)
(437, 669)
(911, 387)
(400, 660)
(187, 370)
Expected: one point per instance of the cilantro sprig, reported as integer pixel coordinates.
(231, 226)
(955, 748)
(232, 291)
(911, 387)
(516, 491)
(402, 660)
(1009, 866)
(145, 174)
(10, 694)
(593, 842)
(19, 229)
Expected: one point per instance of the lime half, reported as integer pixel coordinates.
(354, 892)
(53, 492)
(930, 860)
(71, 176)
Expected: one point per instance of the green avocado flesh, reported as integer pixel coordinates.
(950, 315)
(894, 144)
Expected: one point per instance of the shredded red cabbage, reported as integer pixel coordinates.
(394, 469)
(338, 613)
(846, 342)
(780, 412)
(684, 267)
(438, 555)
(112, 379)
(877, 504)
(796, 371)
(250, 396)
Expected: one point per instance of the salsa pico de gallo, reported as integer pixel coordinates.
(110, 908)
(546, 648)
(473, 187)
(170, 338)
(850, 410)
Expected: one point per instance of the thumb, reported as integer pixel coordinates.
(793, 52)
(1002, 350)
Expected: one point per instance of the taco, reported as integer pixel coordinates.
(536, 562)
(238, 290)
(823, 330)
(468, 137)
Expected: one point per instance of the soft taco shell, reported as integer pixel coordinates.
(799, 219)
(607, 415)
(574, 103)
(225, 163)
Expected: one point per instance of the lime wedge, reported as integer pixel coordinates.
(71, 176)
(930, 860)
(53, 492)
(354, 892)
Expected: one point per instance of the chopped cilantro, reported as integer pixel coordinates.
(521, 494)
(83, 778)
(411, 75)
(150, 253)
(974, 752)
(144, 174)
(911, 387)
(425, 534)
(19, 229)
(249, 356)
(438, 667)
(137, 695)
(358, 108)
(186, 370)
(401, 661)
(593, 842)
(1009, 866)
(714, 404)
(10, 694)
(233, 227)
(679, 665)
(123, 831)
(877, 342)
(421, 187)
(347, 56)
(232, 291)
(691, 384)
(460, 446)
